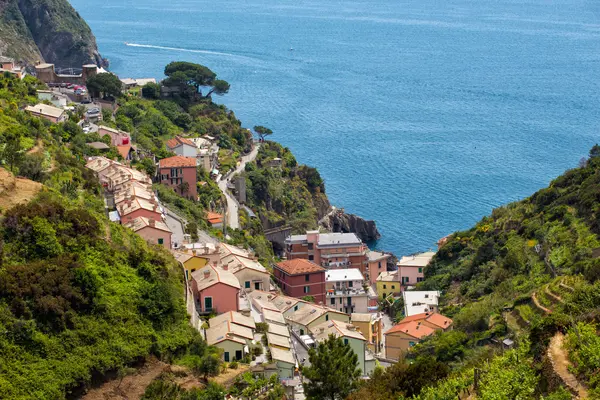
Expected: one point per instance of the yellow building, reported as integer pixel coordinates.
(388, 284)
(190, 262)
(371, 326)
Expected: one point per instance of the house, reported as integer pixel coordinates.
(57, 99)
(132, 189)
(273, 317)
(182, 146)
(51, 113)
(190, 261)
(417, 302)
(179, 173)
(300, 277)
(410, 268)
(401, 337)
(125, 151)
(346, 291)
(433, 320)
(129, 83)
(250, 273)
(98, 146)
(329, 250)
(349, 334)
(377, 263)
(209, 251)
(388, 284)
(371, 327)
(215, 290)
(233, 317)
(270, 301)
(233, 339)
(281, 342)
(214, 219)
(285, 362)
(117, 137)
(139, 207)
(151, 230)
(279, 330)
(311, 315)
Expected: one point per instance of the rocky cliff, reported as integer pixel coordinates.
(338, 221)
(46, 30)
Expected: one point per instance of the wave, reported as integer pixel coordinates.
(151, 46)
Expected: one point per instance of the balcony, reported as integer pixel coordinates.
(348, 292)
(336, 264)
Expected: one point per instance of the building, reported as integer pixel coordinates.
(117, 136)
(46, 73)
(179, 173)
(130, 83)
(311, 315)
(215, 290)
(51, 113)
(403, 336)
(214, 219)
(371, 327)
(377, 263)
(270, 301)
(417, 302)
(151, 230)
(346, 290)
(285, 362)
(138, 207)
(411, 268)
(281, 342)
(126, 151)
(57, 99)
(233, 317)
(299, 278)
(274, 317)
(388, 284)
(191, 262)
(250, 273)
(209, 251)
(182, 146)
(433, 320)
(329, 250)
(350, 335)
(232, 338)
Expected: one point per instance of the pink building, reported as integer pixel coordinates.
(117, 137)
(152, 231)
(411, 268)
(215, 289)
(377, 263)
(138, 207)
(177, 170)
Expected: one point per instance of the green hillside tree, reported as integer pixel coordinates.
(104, 85)
(333, 373)
(262, 132)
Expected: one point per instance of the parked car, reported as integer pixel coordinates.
(70, 86)
(86, 101)
(63, 85)
(87, 129)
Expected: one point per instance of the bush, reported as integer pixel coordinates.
(233, 365)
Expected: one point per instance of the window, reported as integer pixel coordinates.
(208, 304)
(333, 301)
(326, 317)
(419, 279)
(311, 257)
(238, 354)
(306, 278)
(405, 279)
(295, 308)
(379, 264)
(161, 240)
(384, 286)
(393, 287)
(226, 356)
(310, 246)
(345, 341)
(306, 289)
(301, 331)
(247, 284)
(411, 344)
(350, 284)
(257, 285)
(420, 270)
(384, 295)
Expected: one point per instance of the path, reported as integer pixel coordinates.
(233, 220)
(176, 225)
(560, 363)
(538, 304)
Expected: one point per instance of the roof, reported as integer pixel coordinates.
(361, 317)
(98, 145)
(233, 317)
(337, 328)
(277, 340)
(377, 255)
(282, 355)
(182, 257)
(417, 260)
(178, 141)
(338, 238)
(281, 330)
(132, 189)
(214, 218)
(413, 328)
(388, 276)
(129, 206)
(216, 275)
(310, 312)
(262, 300)
(273, 316)
(113, 130)
(299, 266)
(142, 222)
(226, 330)
(284, 303)
(98, 164)
(439, 320)
(124, 150)
(5, 59)
(340, 275)
(177, 161)
(45, 109)
(417, 302)
(237, 264)
(44, 65)
(227, 249)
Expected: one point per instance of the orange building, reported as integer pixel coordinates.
(411, 330)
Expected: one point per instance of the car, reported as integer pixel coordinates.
(86, 129)
(78, 91)
(70, 86)
(86, 101)
(63, 85)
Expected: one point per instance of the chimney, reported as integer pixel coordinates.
(194, 251)
(206, 274)
(151, 222)
(225, 267)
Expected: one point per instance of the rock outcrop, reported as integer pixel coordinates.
(338, 221)
(34, 31)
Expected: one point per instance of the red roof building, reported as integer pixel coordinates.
(300, 277)
(178, 171)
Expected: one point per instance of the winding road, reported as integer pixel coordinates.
(233, 220)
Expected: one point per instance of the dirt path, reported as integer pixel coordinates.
(132, 387)
(14, 191)
(560, 363)
(539, 305)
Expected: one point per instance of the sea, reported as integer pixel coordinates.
(423, 115)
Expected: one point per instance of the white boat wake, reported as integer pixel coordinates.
(150, 46)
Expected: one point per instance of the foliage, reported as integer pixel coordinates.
(182, 73)
(333, 372)
(105, 85)
(165, 388)
(262, 132)
(583, 344)
(310, 299)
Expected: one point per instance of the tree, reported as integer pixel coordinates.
(104, 85)
(32, 166)
(595, 151)
(151, 90)
(12, 152)
(208, 365)
(182, 73)
(183, 187)
(333, 373)
(262, 132)
(310, 299)
(220, 87)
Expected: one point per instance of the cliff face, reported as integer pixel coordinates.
(46, 30)
(338, 221)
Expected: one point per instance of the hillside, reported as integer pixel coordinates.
(46, 30)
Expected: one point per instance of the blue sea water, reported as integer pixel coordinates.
(423, 115)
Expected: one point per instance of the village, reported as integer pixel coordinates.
(265, 316)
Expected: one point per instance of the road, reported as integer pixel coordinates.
(177, 228)
(233, 220)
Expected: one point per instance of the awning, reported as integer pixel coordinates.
(114, 216)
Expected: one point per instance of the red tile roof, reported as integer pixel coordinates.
(412, 328)
(214, 218)
(434, 318)
(299, 266)
(177, 140)
(124, 150)
(177, 161)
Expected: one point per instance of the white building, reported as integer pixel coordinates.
(418, 302)
(182, 146)
(345, 290)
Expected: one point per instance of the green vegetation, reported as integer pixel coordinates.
(191, 77)
(104, 85)
(165, 387)
(583, 344)
(333, 372)
(289, 194)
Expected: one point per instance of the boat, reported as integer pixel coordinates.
(291, 49)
